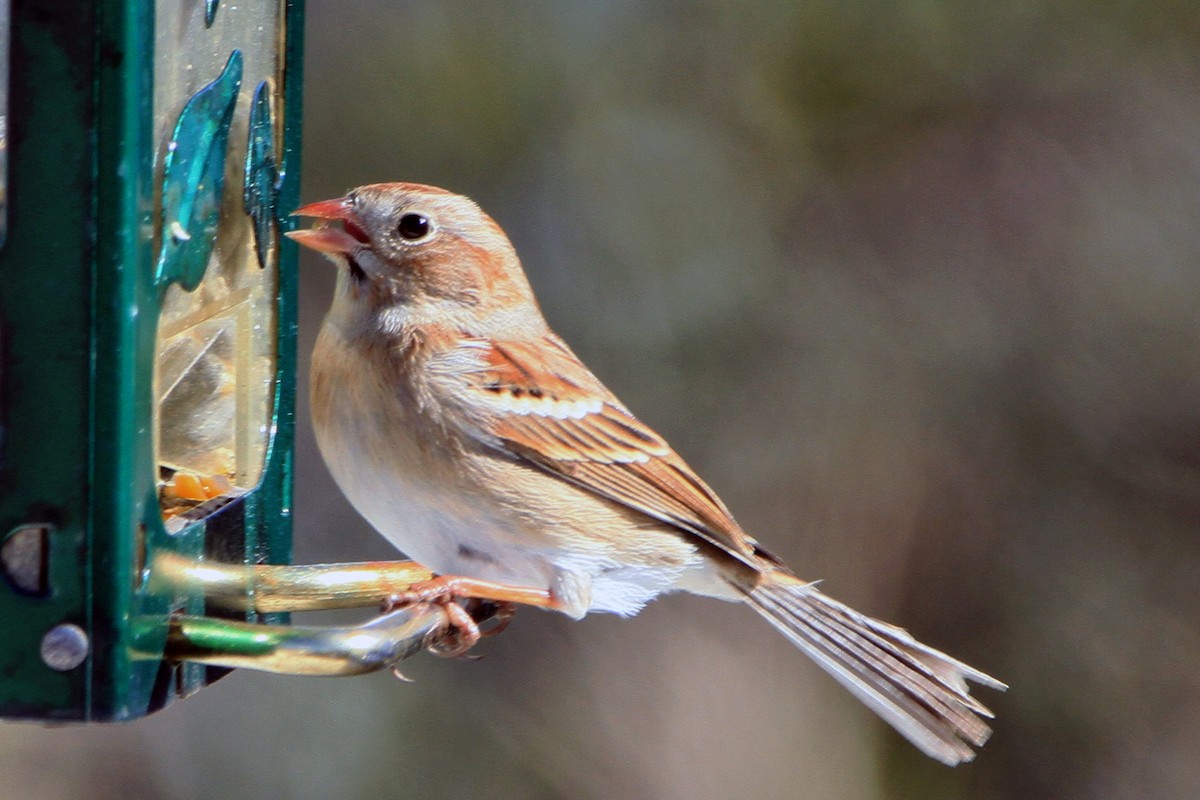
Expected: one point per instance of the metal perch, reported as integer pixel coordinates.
(297, 649)
(268, 587)
(307, 650)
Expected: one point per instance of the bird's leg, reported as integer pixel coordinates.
(444, 588)
(485, 601)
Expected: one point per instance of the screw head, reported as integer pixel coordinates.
(65, 647)
(24, 554)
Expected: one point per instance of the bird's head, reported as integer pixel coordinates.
(409, 249)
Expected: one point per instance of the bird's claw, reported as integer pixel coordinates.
(497, 612)
(460, 635)
(462, 631)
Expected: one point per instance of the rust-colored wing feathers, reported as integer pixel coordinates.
(559, 417)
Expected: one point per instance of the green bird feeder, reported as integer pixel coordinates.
(148, 159)
(147, 325)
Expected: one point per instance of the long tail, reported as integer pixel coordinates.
(919, 691)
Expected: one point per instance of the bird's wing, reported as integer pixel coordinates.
(545, 407)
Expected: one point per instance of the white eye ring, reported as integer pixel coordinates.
(414, 227)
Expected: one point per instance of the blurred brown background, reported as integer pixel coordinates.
(912, 283)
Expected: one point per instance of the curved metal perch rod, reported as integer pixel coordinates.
(307, 650)
(296, 649)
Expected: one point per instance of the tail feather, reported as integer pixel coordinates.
(919, 691)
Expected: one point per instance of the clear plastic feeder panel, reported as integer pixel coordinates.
(216, 345)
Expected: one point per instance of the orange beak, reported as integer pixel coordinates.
(326, 238)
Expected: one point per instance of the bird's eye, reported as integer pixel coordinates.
(413, 227)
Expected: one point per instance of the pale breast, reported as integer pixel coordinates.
(385, 457)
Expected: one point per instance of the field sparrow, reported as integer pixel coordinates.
(469, 434)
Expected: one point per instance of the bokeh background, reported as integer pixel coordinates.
(914, 284)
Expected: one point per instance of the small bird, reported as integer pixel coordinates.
(467, 433)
